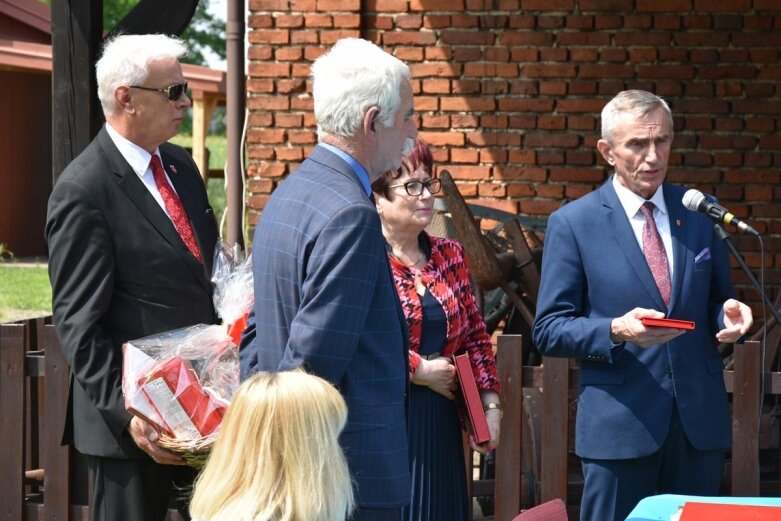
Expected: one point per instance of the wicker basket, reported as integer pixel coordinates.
(193, 452)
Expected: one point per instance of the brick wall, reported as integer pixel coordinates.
(508, 93)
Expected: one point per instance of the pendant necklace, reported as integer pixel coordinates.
(419, 286)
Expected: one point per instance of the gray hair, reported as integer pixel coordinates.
(351, 77)
(637, 102)
(125, 61)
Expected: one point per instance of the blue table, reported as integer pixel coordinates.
(660, 508)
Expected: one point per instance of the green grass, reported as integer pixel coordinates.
(25, 292)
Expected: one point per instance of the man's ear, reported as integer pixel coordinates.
(123, 98)
(604, 148)
(369, 120)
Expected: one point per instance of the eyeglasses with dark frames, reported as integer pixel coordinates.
(173, 92)
(415, 188)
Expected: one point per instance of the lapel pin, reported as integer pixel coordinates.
(677, 221)
(173, 169)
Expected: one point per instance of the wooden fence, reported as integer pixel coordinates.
(32, 409)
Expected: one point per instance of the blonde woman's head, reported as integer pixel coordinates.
(277, 456)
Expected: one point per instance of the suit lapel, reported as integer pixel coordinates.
(139, 195)
(625, 236)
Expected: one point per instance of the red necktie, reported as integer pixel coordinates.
(655, 255)
(175, 208)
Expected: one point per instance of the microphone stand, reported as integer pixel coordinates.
(725, 238)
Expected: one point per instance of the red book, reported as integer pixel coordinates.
(693, 511)
(474, 415)
(668, 322)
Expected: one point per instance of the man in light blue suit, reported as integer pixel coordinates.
(652, 412)
(324, 296)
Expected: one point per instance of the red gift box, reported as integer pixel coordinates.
(469, 399)
(188, 410)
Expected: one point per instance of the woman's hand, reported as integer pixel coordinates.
(494, 419)
(438, 374)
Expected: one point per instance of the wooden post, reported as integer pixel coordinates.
(203, 108)
(745, 419)
(555, 425)
(508, 455)
(56, 458)
(12, 412)
(76, 117)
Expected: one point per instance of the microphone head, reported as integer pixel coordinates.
(692, 199)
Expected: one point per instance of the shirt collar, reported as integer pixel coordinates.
(137, 157)
(632, 202)
(360, 171)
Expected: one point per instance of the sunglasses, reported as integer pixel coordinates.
(415, 188)
(173, 93)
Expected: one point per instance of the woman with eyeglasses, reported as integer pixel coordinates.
(433, 284)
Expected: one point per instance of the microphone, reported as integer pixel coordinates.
(696, 201)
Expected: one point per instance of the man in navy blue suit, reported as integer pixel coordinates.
(652, 412)
(324, 296)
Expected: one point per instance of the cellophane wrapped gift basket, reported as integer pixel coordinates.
(181, 381)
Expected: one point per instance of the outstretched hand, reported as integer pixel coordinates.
(737, 321)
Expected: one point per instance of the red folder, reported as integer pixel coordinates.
(469, 396)
(668, 322)
(693, 511)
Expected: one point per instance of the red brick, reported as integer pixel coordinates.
(534, 38)
(538, 207)
(521, 122)
(642, 54)
(303, 5)
(436, 86)
(395, 6)
(553, 55)
(318, 20)
(493, 121)
(606, 71)
(548, 71)
(652, 38)
(470, 172)
(288, 53)
(303, 37)
(260, 185)
(462, 21)
(268, 103)
(464, 120)
(459, 104)
(488, 138)
(409, 21)
(270, 36)
(663, 21)
(436, 21)
(339, 5)
(522, 157)
(493, 155)
(466, 86)
(424, 103)
(467, 54)
(438, 53)
(547, 5)
(378, 22)
(441, 139)
(285, 120)
(584, 88)
(550, 191)
(331, 37)
(466, 38)
(524, 88)
(550, 22)
(289, 153)
(593, 106)
(463, 156)
(260, 119)
(621, 6)
(260, 21)
(352, 21)
(435, 121)
(492, 190)
(722, 5)
(436, 5)
(408, 54)
(260, 52)
(664, 5)
(576, 175)
(519, 174)
(439, 69)
(525, 105)
(493, 87)
(409, 38)
(552, 123)
(583, 38)
(771, 142)
(519, 189)
(259, 152)
(268, 5)
(265, 86)
(551, 140)
(494, 21)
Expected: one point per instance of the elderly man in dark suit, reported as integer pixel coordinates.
(324, 296)
(131, 237)
(652, 411)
